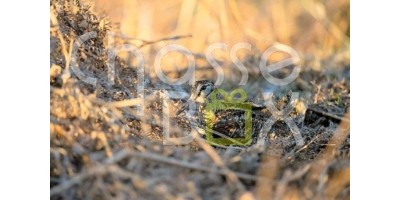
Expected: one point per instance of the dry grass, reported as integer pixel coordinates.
(101, 148)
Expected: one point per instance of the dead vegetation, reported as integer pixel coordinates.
(101, 149)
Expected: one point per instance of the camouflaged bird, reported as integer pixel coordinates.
(227, 122)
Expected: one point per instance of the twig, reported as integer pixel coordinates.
(327, 156)
(287, 178)
(149, 42)
(100, 170)
(76, 180)
(305, 146)
(329, 115)
(65, 52)
(155, 157)
(125, 103)
(231, 176)
(145, 43)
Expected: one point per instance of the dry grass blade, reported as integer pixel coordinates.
(155, 157)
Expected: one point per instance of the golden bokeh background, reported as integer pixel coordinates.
(317, 27)
(318, 30)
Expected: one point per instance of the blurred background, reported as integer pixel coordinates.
(319, 30)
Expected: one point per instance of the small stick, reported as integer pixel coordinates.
(148, 42)
(330, 115)
(155, 157)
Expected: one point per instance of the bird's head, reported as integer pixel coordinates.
(201, 90)
(199, 93)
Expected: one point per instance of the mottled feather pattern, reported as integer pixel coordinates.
(230, 122)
